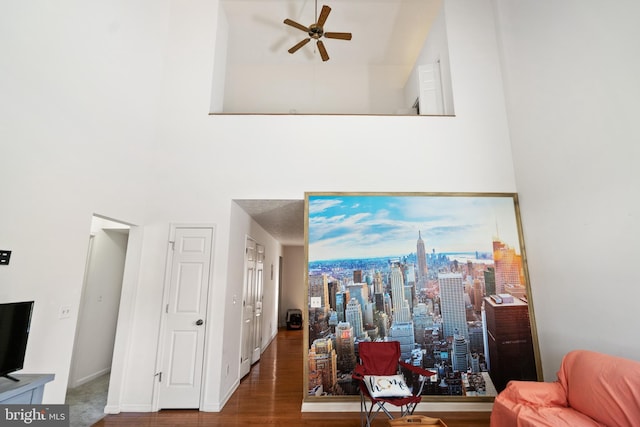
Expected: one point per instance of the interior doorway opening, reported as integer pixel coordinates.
(97, 318)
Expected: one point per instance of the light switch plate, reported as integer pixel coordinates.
(4, 257)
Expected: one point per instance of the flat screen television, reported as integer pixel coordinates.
(15, 320)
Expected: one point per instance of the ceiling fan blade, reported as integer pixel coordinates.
(341, 36)
(324, 14)
(323, 52)
(298, 45)
(294, 24)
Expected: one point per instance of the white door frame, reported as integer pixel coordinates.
(155, 401)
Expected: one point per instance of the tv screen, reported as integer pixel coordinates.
(15, 319)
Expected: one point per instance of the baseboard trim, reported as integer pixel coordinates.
(90, 377)
(112, 409)
(211, 408)
(135, 408)
(217, 407)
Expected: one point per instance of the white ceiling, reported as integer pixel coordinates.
(385, 32)
(283, 219)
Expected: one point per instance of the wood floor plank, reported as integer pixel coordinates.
(271, 395)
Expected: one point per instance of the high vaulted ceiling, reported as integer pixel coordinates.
(384, 31)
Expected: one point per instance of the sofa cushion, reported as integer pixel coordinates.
(603, 387)
(535, 393)
(546, 416)
(530, 403)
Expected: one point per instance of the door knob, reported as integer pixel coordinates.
(199, 322)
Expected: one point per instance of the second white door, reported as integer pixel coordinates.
(180, 375)
(252, 306)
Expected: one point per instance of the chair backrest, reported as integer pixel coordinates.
(379, 357)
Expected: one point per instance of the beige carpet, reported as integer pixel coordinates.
(87, 402)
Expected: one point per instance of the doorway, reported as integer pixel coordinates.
(431, 98)
(252, 298)
(97, 318)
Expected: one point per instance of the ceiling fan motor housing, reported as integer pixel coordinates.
(315, 31)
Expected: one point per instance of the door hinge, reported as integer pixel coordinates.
(166, 309)
(159, 375)
(173, 245)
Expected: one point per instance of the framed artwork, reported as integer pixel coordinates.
(445, 274)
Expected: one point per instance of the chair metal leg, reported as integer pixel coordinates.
(364, 415)
(367, 414)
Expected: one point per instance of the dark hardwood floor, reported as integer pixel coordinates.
(271, 394)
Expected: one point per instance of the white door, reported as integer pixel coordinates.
(248, 307)
(257, 295)
(430, 84)
(180, 376)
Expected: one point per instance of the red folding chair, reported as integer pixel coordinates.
(382, 359)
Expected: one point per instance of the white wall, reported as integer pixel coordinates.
(241, 226)
(309, 88)
(571, 72)
(130, 84)
(220, 61)
(79, 91)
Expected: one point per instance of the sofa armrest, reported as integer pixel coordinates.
(535, 393)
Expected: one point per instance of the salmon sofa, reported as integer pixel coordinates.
(592, 389)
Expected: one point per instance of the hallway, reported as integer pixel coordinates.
(271, 394)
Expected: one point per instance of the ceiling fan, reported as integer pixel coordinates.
(316, 32)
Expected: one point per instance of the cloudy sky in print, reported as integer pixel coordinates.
(366, 226)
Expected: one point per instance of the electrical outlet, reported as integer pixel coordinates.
(65, 312)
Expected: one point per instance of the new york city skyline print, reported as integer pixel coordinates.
(443, 274)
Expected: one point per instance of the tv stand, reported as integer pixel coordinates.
(11, 378)
(27, 390)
